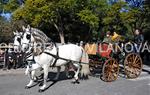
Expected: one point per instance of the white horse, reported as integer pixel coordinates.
(29, 59)
(17, 41)
(53, 55)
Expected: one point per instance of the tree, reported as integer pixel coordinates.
(137, 15)
(11, 5)
(38, 12)
(112, 19)
(72, 19)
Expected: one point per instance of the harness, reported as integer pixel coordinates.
(19, 42)
(56, 56)
(29, 54)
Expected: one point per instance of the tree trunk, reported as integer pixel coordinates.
(61, 33)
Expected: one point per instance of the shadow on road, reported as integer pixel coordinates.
(144, 70)
(51, 77)
(147, 63)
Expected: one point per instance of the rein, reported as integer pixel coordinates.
(55, 56)
(58, 57)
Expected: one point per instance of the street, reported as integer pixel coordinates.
(13, 83)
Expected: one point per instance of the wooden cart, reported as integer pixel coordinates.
(106, 62)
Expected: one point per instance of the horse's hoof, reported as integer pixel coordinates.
(27, 87)
(41, 90)
(76, 81)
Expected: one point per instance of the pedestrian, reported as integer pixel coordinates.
(139, 40)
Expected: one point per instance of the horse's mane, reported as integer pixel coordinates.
(40, 36)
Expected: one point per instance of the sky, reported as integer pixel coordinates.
(6, 15)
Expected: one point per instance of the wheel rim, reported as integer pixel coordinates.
(133, 65)
(110, 70)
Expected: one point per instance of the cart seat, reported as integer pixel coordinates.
(91, 49)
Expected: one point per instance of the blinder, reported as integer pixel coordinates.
(28, 36)
(19, 40)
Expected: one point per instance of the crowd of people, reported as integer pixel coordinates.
(11, 60)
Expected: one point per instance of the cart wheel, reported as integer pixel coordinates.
(133, 65)
(110, 70)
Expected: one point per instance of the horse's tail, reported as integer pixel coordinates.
(85, 71)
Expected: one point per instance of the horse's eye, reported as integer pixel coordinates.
(28, 36)
(19, 40)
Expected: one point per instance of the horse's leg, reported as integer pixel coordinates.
(67, 71)
(58, 73)
(31, 76)
(45, 78)
(76, 76)
(31, 73)
(67, 68)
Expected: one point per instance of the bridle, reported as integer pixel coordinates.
(48, 47)
(29, 38)
(19, 41)
(29, 53)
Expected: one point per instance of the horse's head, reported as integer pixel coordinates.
(17, 41)
(27, 38)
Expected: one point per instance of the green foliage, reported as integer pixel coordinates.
(89, 17)
(75, 18)
(5, 31)
(113, 14)
(32, 12)
(11, 6)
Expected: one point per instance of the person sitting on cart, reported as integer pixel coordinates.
(116, 37)
(107, 39)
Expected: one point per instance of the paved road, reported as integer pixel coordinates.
(13, 82)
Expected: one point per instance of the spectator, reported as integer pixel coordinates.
(139, 40)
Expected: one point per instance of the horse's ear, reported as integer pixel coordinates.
(21, 33)
(28, 27)
(23, 28)
(14, 33)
